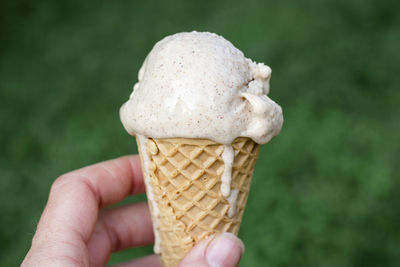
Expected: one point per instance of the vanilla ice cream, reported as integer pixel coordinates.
(198, 85)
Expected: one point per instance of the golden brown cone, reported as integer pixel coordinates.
(185, 175)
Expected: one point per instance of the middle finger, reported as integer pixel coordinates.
(120, 228)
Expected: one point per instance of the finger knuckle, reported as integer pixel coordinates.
(59, 183)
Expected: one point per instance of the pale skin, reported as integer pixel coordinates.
(78, 228)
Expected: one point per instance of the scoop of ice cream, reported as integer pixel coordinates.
(198, 85)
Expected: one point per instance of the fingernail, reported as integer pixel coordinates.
(224, 251)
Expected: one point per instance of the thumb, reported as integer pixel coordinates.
(222, 250)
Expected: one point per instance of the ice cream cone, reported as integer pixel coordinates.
(183, 181)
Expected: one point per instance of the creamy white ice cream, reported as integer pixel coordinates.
(198, 85)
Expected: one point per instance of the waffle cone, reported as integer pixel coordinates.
(186, 201)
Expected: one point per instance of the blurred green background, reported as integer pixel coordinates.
(324, 192)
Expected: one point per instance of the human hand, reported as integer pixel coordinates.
(77, 229)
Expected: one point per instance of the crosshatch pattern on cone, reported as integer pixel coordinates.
(185, 175)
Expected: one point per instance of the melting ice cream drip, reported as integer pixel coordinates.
(232, 202)
(226, 179)
(227, 157)
(149, 190)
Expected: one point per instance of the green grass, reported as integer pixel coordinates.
(324, 192)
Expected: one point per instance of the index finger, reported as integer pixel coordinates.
(75, 197)
(110, 181)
